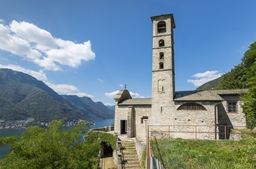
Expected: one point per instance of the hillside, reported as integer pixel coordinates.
(211, 84)
(92, 110)
(23, 96)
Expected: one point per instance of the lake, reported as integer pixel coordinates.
(17, 132)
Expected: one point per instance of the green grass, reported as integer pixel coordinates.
(205, 154)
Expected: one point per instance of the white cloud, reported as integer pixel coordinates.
(113, 94)
(136, 95)
(39, 46)
(121, 85)
(201, 78)
(66, 89)
(100, 80)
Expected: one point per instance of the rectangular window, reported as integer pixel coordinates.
(232, 107)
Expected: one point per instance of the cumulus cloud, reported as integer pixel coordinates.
(136, 95)
(66, 89)
(39, 46)
(201, 78)
(113, 94)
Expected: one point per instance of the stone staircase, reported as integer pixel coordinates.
(130, 157)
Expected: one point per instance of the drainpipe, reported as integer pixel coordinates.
(215, 119)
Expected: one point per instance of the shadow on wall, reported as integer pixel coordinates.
(224, 123)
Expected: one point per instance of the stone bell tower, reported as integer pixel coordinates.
(163, 84)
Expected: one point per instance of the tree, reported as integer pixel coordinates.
(249, 60)
(235, 79)
(50, 148)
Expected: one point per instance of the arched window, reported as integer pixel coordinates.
(191, 106)
(161, 85)
(161, 27)
(161, 55)
(161, 43)
(161, 65)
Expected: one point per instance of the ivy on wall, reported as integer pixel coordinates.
(100, 137)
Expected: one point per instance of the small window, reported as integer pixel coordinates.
(161, 43)
(232, 107)
(161, 55)
(191, 106)
(160, 85)
(161, 65)
(161, 27)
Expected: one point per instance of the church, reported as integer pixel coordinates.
(209, 114)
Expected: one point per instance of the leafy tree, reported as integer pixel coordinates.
(7, 140)
(249, 106)
(235, 79)
(50, 148)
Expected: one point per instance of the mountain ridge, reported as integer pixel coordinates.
(23, 96)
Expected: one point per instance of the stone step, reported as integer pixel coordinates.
(130, 156)
(137, 166)
(128, 147)
(129, 153)
(128, 144)
(131, 159)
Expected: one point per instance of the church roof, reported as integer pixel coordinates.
(122, 95)
(136, 101)
(189, 96)
(206, 95)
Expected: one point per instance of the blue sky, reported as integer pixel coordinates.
(94, 47)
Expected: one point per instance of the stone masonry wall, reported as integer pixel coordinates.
(120, 114)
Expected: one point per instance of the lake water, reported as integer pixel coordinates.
(17, 132)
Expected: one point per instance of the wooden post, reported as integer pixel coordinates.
(148, 160)
(169, 131)
(225, 132)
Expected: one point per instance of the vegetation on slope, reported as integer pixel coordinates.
(210, 85)
(23, 96)
(250, 98)
(92, 110)
(205, 154)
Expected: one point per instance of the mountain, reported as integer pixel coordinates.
(111, 107)
(92, 110)
(211, 84)
(23, 96)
